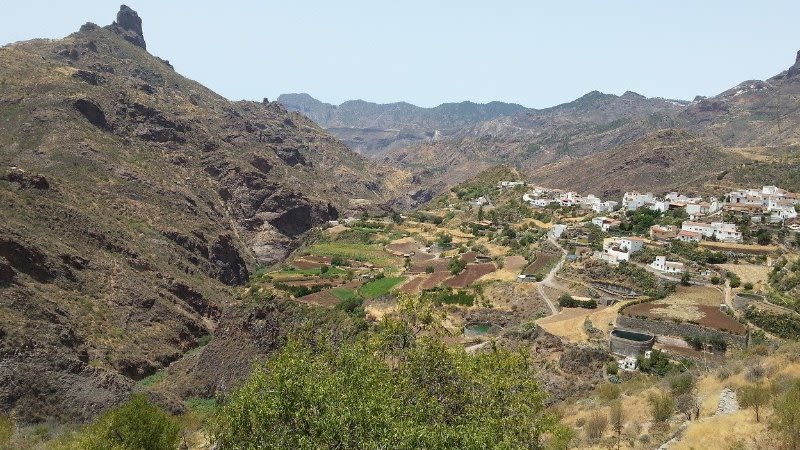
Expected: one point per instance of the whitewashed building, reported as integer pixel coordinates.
(662, 265)
(720, 231)
(616, 250)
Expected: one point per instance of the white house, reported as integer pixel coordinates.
(570, 199)
(480, 201)
(557, 230)
(605, 223)
(620, 249)
(662, 265)
(720, 231)
(510, 184)
(607, 206)
(632, 201)
(689, 236)
(627, 364)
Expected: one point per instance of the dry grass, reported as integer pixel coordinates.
(749, 273)
(721, 431)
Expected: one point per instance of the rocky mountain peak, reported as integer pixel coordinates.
(795, 69)
(129, 26)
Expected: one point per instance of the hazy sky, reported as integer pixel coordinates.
(428, 52)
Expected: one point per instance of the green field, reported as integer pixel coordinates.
(331, 272)
(360, 252)
(379, 287)
(344, 293)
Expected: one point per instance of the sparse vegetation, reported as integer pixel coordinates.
(136, 425)
(662, 406)
(754, 396)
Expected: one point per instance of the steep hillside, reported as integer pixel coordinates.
(132, 200)
(753, 113)
(593, 123)
(659, 162)
(373, 128)
(669, 160)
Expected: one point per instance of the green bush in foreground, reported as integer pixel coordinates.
(136, 425)
(429, 396)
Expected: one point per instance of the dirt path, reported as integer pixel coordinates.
(548, 280)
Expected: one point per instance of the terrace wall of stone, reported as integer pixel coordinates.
(680, 329)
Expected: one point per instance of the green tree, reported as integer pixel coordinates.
(351, 397)
(786, 419)
(136, 425)
(754, 396)
(457, 265)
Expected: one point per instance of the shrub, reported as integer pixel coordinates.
(755, 373)
(6, 430)
(612, 368)
(658, 363)
(682, 384)
(566, 301)
(718, 343)
(345, 396)
(786, 417)
(688, 404)
(696, 342)
(457, 265)
(754, 396)
(429, 269)
(608, 391)
(595, 426)
(748, 286)
(783, 325)
(661, 406)
(136, 425)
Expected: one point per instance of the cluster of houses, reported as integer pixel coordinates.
(769, 203)
(542, 197)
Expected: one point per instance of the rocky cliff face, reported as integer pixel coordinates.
(134, 201)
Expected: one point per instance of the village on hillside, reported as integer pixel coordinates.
(609, 295)
(686, 275)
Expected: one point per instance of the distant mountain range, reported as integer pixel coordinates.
(452, 142)
(372, 128)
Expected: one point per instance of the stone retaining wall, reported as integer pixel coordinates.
(680, 329)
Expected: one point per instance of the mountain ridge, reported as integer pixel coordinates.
(135, 202)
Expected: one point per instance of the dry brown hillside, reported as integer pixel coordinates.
(132, 200)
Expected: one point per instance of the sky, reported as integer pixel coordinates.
(536, 53)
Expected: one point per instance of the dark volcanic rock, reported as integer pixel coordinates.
(92, 112)
(27, 259)
(90, 77)
(129, 26)
(231, 268)
(795, 69)
(26, 181)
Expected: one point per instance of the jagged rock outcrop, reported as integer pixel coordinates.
(129, 26)
(795, 69)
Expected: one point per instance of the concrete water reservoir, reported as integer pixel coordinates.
(630, 343)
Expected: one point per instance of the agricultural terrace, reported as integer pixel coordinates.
(698, 305)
